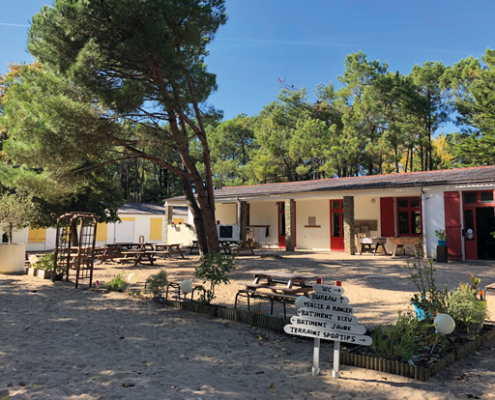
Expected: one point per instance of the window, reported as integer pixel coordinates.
(409, 216)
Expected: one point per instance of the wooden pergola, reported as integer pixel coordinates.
(75, 246)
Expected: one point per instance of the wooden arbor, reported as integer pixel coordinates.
(75, 245)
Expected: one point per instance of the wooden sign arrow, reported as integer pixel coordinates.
(330, 316)
(328, 289)
(327, 335)
(329, 298)
(325, 306)
(328, 325)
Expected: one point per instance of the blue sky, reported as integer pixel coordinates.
(307, 42)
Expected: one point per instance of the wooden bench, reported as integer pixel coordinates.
(170, 249)
(244, 246)
(271, 296)
(297, 291)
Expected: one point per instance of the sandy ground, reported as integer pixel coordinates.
(62, 343)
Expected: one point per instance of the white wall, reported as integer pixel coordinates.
(181, 234)
(434, 208)
(226, 214)
(313, 238)
(265, 213)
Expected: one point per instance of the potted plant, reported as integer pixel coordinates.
(46, 270)
(442, 237)
(16, 212)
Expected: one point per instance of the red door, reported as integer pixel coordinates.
(281, 225)
(336, 226)
(470, 234)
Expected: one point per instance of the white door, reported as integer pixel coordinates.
(124, 232)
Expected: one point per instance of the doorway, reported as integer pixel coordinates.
(479, 223)
(281, 225)
(336, 225)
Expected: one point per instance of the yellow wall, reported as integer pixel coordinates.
(36, 235)
(156, 228)
(178, 221)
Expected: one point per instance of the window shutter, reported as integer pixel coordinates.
(387, 216)
(37, 235)
(101, 232)
(156, 228)
(453, 224)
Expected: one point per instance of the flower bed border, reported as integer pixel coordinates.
(414, 371)
(277, 324)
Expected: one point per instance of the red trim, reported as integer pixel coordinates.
(478, 201)
(337, 243)
(453, 225)
(387, 220)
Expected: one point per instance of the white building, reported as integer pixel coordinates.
(146, 220)
(459, 201)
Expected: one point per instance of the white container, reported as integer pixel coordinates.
(12, 258)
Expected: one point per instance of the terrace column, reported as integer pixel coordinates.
(242, 207)
(169, 211)
(290, 224)
(349, 243)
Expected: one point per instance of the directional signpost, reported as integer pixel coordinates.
(327, 315)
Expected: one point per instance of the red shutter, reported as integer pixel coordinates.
(387, 216)
(453, 224)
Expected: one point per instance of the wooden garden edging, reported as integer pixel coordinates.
(413, 371)
(263, 321)
(276, 324)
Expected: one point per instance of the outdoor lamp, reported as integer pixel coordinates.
(132, 278)
(300, 302)
(444, 324)
(186, 286)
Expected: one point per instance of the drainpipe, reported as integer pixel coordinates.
(424, 221)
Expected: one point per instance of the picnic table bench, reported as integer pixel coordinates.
(137, 256)
(229, 246)
(170, 249)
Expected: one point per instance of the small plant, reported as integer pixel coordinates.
(493, 234)
(156, 283)
(46, 262)
(429, 299)
(116, 283)
(213, 268)
(468, 313)
(441, 235)
(399, 341)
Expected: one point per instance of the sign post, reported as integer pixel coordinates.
(327, 315)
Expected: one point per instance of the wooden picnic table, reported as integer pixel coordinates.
(173, 248)
(194, 247)
(280, 282)
(137, 256)
(401, 241)
(230, 246)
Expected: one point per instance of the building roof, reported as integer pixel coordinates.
(410, 179)
(149, 208)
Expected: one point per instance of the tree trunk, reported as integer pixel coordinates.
(74, 242)
(198, 217)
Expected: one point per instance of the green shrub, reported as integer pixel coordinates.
(156, 283)
(46, 262)
(400, 341)
(213, 268)
(116, 283)
(468, 312)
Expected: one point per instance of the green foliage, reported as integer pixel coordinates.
(399, 341)
(156, 283)
(46, 262)
(441, 235)
(431, 300)
(16, 212)
(116, 283)
(214, 268)
(467, 311)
